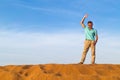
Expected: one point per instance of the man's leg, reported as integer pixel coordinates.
(86, 48)
(93, 52)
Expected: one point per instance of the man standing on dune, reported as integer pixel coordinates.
(91, 38)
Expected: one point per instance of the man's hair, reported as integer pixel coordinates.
(90, 22)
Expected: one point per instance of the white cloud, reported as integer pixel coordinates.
(51, 10)
(24, 46)
(34, 48)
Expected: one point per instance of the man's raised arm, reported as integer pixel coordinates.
(82, 21)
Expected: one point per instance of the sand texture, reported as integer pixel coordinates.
(60, 72)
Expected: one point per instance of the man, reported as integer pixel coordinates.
(91, 38)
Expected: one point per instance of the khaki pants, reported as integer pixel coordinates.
(88, 44)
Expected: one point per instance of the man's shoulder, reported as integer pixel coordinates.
(94, 29)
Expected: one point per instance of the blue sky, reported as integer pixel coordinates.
(48, 31)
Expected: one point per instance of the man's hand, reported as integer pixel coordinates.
(82, 21)
(94, 43)
(86, 15)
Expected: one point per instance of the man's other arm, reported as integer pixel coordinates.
(96, 40)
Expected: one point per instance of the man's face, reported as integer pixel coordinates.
(90, 25)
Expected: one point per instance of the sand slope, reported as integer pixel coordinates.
(60, 72)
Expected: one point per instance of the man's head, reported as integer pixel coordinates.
(90, 24)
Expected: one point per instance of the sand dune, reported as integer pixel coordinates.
(60, 72)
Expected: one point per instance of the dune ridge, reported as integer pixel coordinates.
(60, 72)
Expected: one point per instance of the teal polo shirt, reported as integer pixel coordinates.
(90, 34)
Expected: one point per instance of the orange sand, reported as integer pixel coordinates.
(60, 72)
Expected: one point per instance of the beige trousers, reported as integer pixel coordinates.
(88, 44)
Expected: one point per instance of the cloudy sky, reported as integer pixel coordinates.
(48, 31)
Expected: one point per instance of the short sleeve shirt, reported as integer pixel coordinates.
(90, 34)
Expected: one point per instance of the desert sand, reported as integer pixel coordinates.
(60, 72)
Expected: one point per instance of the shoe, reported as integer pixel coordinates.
(80, 63)
(93, 63)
